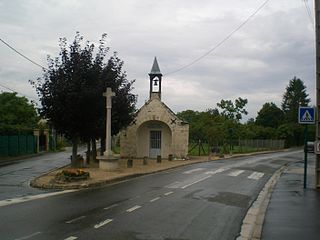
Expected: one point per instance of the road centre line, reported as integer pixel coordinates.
(193, 170)
(235, 173)
(111, 206)
(199, 180)
(71, 238)
(103, 223)
(133, 208)
(155, 199)
(29, 236)
(75, 219)
(168, 193)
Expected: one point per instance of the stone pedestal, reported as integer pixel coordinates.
(108, 163)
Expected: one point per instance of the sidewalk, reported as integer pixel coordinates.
(294, 212)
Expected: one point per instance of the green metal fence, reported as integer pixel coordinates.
(17, 145)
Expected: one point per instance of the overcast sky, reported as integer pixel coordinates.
(256, 63)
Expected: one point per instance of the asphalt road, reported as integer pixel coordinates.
(202, 201)
(16, 175)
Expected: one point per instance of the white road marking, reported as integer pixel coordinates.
(256, 175)
(29, 236)
(193, 170)
(111, 206)
(34, 197)
(199, 180)
(155, 199)
(220, 170)
(235, 173)
(71, 238)
(75, 219)
(133, 208)
(103, 223)
(168, 193)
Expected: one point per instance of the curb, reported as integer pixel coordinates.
(252, 223)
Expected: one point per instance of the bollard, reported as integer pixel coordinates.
(145, 160)
(129, 163)
(170, 157)
(159, 159)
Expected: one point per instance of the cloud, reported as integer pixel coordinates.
(256, 63)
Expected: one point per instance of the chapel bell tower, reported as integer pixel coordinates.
(155, 80)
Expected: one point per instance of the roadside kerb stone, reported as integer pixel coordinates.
(251, 228)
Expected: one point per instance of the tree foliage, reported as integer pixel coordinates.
(71, 91)
(294, 96)
(16, 114)
(233, 110)
(270, 116)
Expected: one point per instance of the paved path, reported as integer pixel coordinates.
(293, 212)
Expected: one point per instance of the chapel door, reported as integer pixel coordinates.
(155, 144)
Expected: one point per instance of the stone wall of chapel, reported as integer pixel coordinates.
(154, 110)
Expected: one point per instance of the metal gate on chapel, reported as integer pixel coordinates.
(155, 144)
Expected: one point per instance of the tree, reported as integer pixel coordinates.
(270, 116)
(16, 113)
(233, 110)
(295, 96)
(71, 91)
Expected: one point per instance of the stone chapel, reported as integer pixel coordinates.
(156, 129)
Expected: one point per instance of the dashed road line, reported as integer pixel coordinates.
(111, 206)
(75, 219)
(256, 175)
(105, 222)
(235, 173)
(71, 238)
(193, 170)
(133, 208)
(199, 180)
(168, 193)
(155, 199)
(29, 236)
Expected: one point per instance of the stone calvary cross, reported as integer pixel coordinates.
(108, 161)
(108, 94)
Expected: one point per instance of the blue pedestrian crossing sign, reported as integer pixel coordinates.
(306, 115)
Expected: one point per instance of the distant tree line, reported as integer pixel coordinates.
(221, 125)
(17, 115)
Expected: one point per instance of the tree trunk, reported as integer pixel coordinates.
(74, 158)
(94, 150)
(88, 153)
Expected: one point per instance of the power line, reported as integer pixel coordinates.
(223, 40)
(12, 90)
(22, 55)
(308, 12)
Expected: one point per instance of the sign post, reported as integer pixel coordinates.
(306, 117)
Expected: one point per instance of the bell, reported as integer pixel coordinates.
(156, 82)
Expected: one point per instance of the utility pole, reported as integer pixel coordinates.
(317, 29)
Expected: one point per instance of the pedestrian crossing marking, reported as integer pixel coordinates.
(235, 173)
(256, 175)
